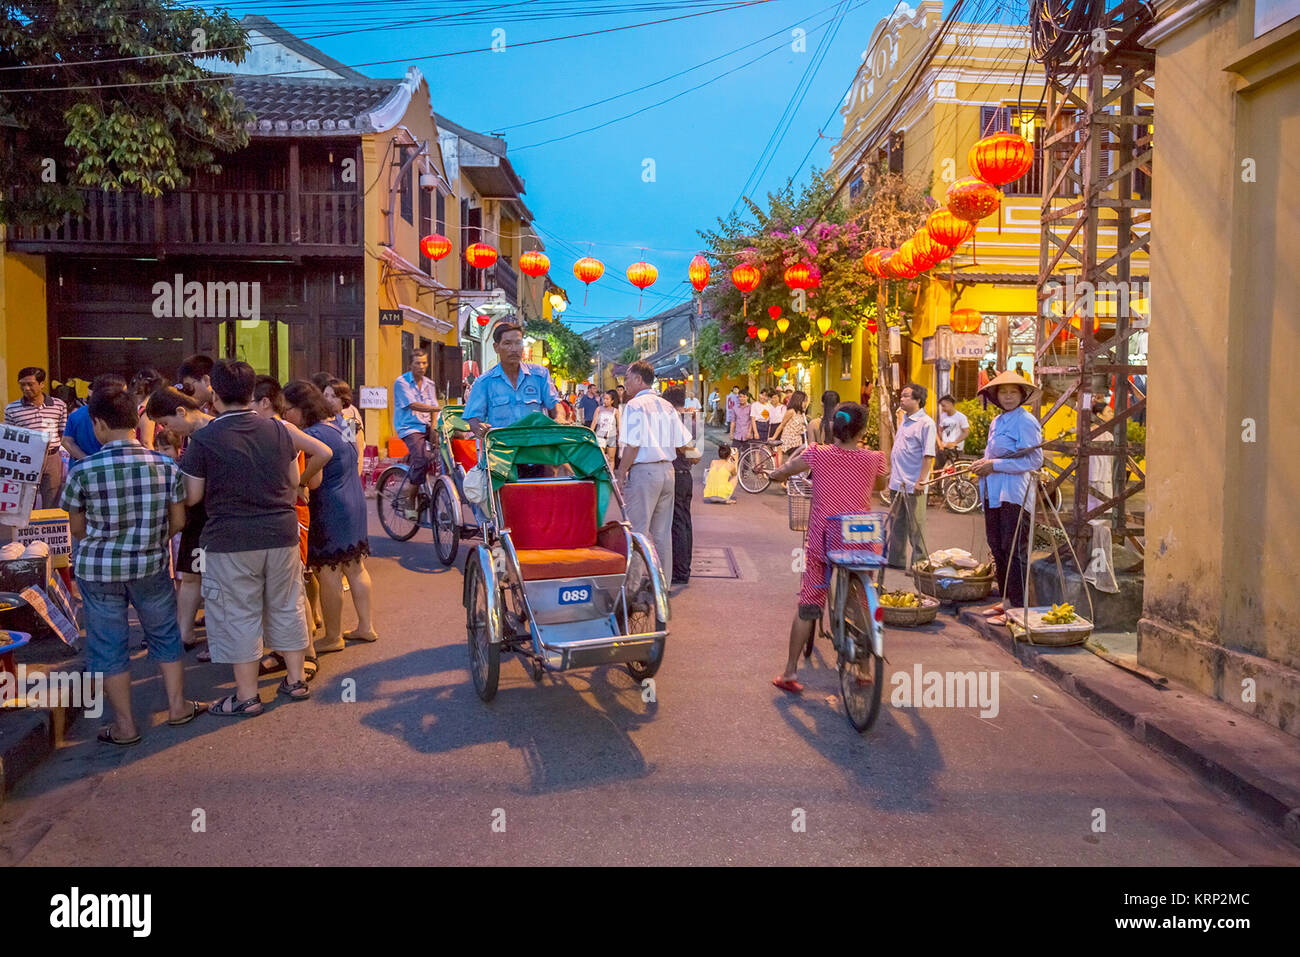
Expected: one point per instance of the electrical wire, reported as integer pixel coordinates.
(209, 78)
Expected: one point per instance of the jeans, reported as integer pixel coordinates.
(906, 522)
(107, 629)
(682, 531)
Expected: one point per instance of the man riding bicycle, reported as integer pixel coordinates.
(415, 402)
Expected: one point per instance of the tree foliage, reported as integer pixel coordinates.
(569, 354)
(629, 355)
(110, 96)
(887, 211)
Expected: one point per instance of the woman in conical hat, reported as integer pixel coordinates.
(1006, 474)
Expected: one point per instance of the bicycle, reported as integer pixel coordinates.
(756, 462)
(953, 487)
(391, 495)
(855, 559)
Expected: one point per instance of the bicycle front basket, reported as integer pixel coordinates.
(798, 497)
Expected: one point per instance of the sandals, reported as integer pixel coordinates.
(106, 736)
(358, 636)
(324, 649)
(272, 663)
(298, 691)
(232, 707)
(310, 667)
(196, 709)
(788, 684)
(205, 656)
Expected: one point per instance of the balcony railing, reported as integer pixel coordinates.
(500, 276)
(229, 220)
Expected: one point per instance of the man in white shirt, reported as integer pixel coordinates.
(691, 414)
(776, 412)
(714, 398)
(953, 429)
(911, 459)
(651, 434)
(762, 412)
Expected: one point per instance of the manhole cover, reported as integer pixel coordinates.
(713, 563)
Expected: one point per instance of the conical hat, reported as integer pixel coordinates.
(1027, 388)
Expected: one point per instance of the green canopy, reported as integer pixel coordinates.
(538, 440)
(449, 419)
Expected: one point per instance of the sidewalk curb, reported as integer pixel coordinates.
(27, 737)
(1168, 723)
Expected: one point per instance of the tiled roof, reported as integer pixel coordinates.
(297, 106)
(674, 325)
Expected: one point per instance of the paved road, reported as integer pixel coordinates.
(716, 770)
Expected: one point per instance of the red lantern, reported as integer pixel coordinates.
(588, 269)
(966, 320)
(746, 277)
(908, 264)
(534, 263)
(481, 319)
(931, 251)
(800, 276)
(889, 263)
(1001, 158)
(946, 229)
(972, 199)
(752, 332)
(871, 260)
(480, 255)
(699, 272)
(641, 274)
(871, 326)
(774, 311)
(435, 246)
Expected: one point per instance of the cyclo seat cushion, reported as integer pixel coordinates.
(553, 528)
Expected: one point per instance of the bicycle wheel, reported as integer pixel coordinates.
(641, 615)
(862, 673)
(445, 516)
(390, 500)
(961, 495)
(756, 458)
(484, 653)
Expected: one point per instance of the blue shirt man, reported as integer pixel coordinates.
(81, 430)
(588, 404)
(415, 398)
(511, 389)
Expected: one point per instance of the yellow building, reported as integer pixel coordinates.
(970, 88)
(1220, 604)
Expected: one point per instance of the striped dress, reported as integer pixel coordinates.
(842, 484)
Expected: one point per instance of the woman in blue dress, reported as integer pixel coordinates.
(337, 541)
(1006, 471)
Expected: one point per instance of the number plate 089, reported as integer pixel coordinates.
(575, 596)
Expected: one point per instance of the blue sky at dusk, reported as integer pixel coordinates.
(587, 187)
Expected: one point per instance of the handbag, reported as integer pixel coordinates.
(477, 485)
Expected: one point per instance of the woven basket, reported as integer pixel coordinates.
(1039, 632)
(912, 617)
(798, 498)
(953, 589)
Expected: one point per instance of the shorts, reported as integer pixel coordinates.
(417, 458)
(254, 597)
(813, 587)
(107, 627)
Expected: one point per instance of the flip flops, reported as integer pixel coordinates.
(788, 684)
(358, 636)
(106, 736)
(196, 709)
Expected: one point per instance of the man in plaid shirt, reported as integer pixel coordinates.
(124, 503)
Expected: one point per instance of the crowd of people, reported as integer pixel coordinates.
(225, 504)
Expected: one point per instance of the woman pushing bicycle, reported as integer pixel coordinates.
(845, 475)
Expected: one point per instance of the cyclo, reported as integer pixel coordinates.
(552, 581)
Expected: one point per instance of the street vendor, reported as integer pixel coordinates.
(1006, 471)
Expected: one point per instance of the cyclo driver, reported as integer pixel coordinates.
(510, 390)
(415, 401)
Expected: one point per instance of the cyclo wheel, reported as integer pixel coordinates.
(642, 616)
(756, 457)
(445, 518)
(962, 495)
(862, 674)
(390, 491)
(484, 654)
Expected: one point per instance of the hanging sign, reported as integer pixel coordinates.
(390, 317)
(927, 349)
(22, 454)
(895, 341)
(971, 345)
(373, 397)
